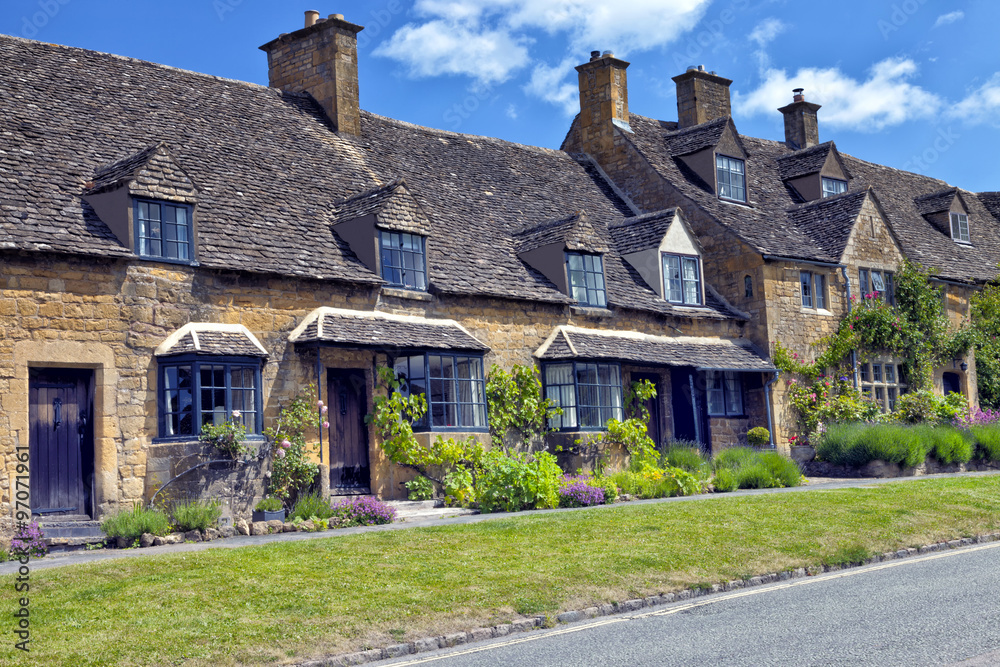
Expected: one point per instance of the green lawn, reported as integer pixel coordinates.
(273, 603)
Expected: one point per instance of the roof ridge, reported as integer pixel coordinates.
(80, 49)
(460, 135)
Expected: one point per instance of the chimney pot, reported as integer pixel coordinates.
(339, 17)
(701, 68)
(607, 54)
(311, 17)
(797, 95)
(594, 55)
(692, 68)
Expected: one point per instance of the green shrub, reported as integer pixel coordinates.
(947, 443)
(131, 524)
(420, 488)
(784, 470)
(510, 483)
(269, 504)
(609, 486)
(657, 483)
(733, 458)
(313, 505)
(987, 441)
(855, 444)
(196, 514)
(759, 437)
(755, 476)
(725, 481)
(683, 456)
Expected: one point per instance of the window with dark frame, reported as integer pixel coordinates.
(833, 186)
(404, 259)
(586, 279)
(813, 289)
(199, 390)
(163, 230)
(452, 384)
(682, 279)
(589, 393)
(725, 393)
(747, 287)
(731, 176)
(877, 283)
(884, 384)
(960, 227)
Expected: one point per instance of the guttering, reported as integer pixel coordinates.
(956, 283)
(767, 402)
(780, 258)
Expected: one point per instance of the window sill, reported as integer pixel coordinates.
(816, 311)
(729, 416)
(737, 202)
(167, 260)
(967, 244)
(400, 293)
(252, 438)
(591, 311)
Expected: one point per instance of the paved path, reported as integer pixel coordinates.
(933, 609)
(75, 557)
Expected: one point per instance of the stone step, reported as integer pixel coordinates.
(71, 529)
(435, 513)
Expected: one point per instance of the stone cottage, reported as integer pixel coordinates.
(175, 247)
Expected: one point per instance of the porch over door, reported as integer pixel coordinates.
(61, 445)
(347, 397)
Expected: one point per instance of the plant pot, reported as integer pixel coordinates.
(266, 515)
(803, 453)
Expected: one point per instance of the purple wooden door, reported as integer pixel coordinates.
(61, 442)
(347, 398)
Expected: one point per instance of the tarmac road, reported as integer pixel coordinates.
(935, 609)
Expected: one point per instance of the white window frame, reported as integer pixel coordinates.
(960, 227)
(837, 186)
(816, 284)
(676, 290)
(725, 164)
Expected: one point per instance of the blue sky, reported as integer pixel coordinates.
(913, 84)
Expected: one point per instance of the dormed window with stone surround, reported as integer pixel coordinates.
(403, 259)
(682, 279)
(586, 279)
(731, 177)
(833, 186)
(195, 390)
(163, 230)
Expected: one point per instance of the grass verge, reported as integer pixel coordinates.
(292, 601)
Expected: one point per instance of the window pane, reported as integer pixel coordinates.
(819, 293)
(877, 281)
(805, 286)
(863, 372)
(864, 286)
(734, 394)
(876, 372)
(716, 393)
(672, 278)
(692, 288)
(403, 260)
(890, 373)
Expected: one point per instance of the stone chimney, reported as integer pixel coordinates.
(801, 126)
(603, 102)
(701, 96)
(322, 60)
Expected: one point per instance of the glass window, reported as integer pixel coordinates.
(960, 227)
(833, 187)
(725, 393)
(863, 373)
(163, 230)
(682, 279)
(891, 394)
(731, 178)
(747, 286)
(586, 279)
(876, 372)
(805, 283)
(876, 284)
(819, 290)
(589, 393)
(453, 386)
(890, 373)
(198, 391)
(404, 260)
(889, 383)
(813, 289)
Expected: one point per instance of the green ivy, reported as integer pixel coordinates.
(292, 471)
(518, 413)
(986, 341)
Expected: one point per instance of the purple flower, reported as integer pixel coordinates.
(580, 491)
(28, 541)
(363, 511)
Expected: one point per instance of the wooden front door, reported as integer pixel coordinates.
(61, 441)
(690, 412)
(347, 398)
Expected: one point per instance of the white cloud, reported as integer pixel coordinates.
(885, 98)
(440, 47)
(950, 17)
(549, 84)
(982, 105)
(511, 112)
(488, 40)
(765, 32)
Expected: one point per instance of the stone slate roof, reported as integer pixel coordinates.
(392, 205)
(272, 178)
(693, 139)
(829, 221)
(568, 342)
(807, 161)
(212, 339)
(642, 232)
(367, 329)
(935, 203)
(991, 200)
(112, 175)
(768, 222)
(575, 232)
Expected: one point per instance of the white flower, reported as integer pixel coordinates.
(236, 414)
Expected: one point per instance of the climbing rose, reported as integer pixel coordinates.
(324, 409)
(286, 444)
(281, 453)
(326, 424)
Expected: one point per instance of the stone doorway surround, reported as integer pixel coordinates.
(72, 354)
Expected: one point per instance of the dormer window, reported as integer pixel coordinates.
(404, 259)
(681, 280)
(586, 279)
(731, 178)
(960, 227)
(833, 187)
(163, 230)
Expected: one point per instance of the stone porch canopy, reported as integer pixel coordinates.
(212, 338)
(705, 354)
(368, 329)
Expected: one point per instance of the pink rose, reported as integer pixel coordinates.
(326, 424)
(286, 444)
(319, 404)
(324, 410)
(281, 453)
